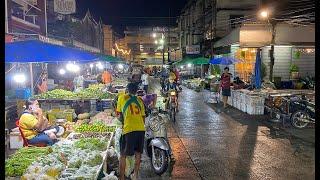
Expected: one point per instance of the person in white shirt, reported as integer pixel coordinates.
(145, 81)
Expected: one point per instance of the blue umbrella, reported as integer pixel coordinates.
(37, 51)
(223, 60)
(257, 69)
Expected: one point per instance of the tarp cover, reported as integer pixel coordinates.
(37, 51)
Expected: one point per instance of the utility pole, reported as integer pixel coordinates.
(273, 29)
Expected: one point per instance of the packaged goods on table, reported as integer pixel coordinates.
(76, 159)
(17, 163)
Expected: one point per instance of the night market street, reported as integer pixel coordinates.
(207, 145)
(160, 89)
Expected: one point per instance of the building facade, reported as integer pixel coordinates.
(110, 39)
(25, 17)
(86, 31)
(150, 45)
(202, 22)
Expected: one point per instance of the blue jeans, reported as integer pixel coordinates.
(41, 138)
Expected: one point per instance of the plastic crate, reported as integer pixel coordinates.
(104, 104)
(23, 93)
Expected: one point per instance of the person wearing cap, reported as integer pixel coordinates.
(132, 114)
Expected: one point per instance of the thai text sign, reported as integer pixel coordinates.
(193, 49)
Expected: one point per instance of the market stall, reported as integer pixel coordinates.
(80, 153)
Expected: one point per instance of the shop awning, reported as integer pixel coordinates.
(111, 59)
(200, 61)
(194, 61)
(183, 62)
(224, 60)
(37, 51)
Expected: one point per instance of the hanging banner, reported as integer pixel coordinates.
(65, 6)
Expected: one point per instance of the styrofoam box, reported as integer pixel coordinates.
(16, 140)
(237, 104)
(243, 107)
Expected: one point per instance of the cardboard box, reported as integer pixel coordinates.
(16, 140)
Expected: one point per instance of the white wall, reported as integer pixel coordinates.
(284, 57)
(306, 63)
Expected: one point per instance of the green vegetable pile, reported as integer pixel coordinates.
(94, 159)
(92, 92)
(91, 143)
(95, 127)
(17, 164)
(57, 94)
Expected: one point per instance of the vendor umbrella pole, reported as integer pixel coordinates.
(31, 78)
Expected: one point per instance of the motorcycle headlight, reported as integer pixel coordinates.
(172, 93)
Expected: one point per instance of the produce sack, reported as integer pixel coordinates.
(110, 176)
(130, 161)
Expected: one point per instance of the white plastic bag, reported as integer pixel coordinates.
(110, 176)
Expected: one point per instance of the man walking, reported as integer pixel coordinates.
(132, 113)
(225, 84)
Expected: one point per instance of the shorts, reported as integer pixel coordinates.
(226, 92)
(132, 142)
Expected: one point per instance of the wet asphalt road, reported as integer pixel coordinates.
(207, 145)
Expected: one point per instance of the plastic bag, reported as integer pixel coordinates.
(110, 176)
(130, 161)
(117, 136)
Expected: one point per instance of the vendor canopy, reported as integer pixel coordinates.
(110, 59)
(37, 51)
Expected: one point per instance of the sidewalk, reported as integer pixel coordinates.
(307, 135)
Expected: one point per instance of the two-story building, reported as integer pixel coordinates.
(203, 21)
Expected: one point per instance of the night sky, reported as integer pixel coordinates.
(121, 13)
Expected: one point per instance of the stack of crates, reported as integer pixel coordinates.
(54, 114)
(255, 105)
(104, 104)
(23, 93)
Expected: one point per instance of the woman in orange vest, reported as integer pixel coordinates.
(106, 77)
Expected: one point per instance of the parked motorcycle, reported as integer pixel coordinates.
(156, 142)
(308, 82)
(303, 113)
(298, 110)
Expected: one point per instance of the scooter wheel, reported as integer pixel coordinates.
(161, 161)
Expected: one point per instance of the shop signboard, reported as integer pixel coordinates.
(65, 6)
(175, 55)
(50, 40)
(193, 49)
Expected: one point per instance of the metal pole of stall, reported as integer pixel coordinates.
(31, 78)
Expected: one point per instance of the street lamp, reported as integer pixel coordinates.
(156, 42)
(161, 41)
(154, 35)
(62, 71)
(265, 15)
